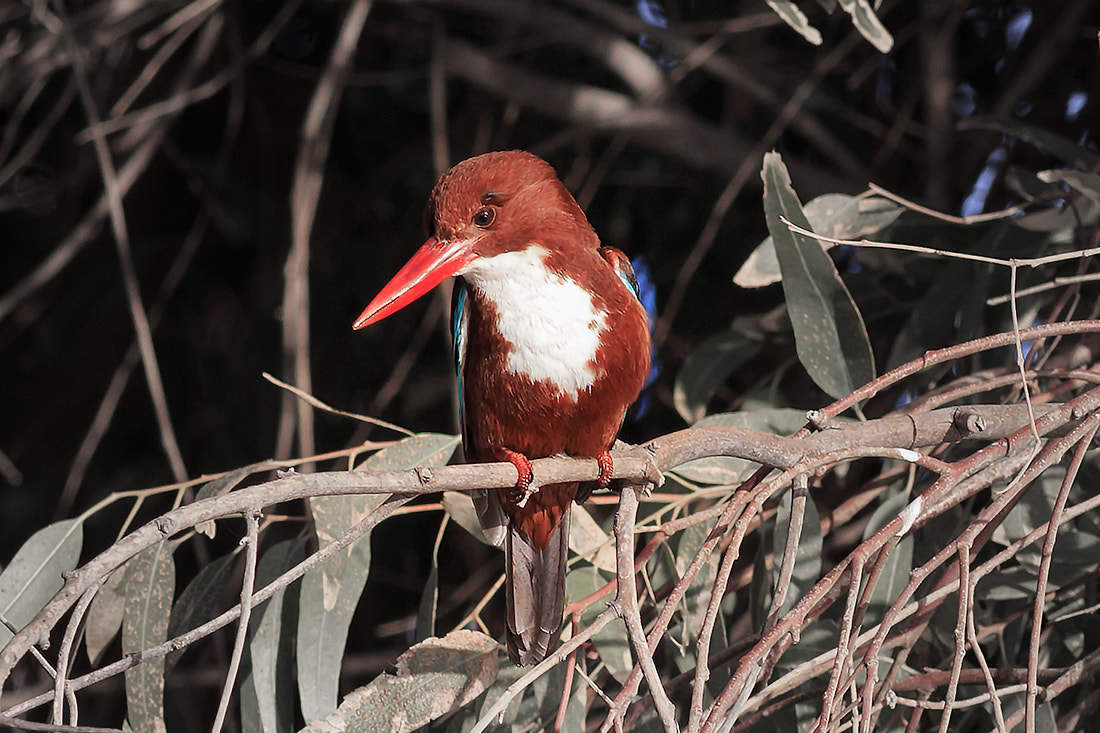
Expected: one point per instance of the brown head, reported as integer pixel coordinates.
(484, 206)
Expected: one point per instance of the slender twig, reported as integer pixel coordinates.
(844, 646)
(132, 660)
(557, 657)
(626, 603)
(1033, 689)
(61, 689)
(993, 693)
(965, 608)
(790, 550)
(117, 217)
(316, 135)
(252, 551)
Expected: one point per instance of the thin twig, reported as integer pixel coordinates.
(626, 603)
(114, 195)
(1033, 689)
(252, 551)
(313, 149)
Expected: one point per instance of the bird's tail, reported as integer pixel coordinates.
(535, 592)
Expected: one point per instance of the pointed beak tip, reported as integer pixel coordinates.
(365, 318)
(432, 264)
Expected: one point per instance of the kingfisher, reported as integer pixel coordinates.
(551, 347)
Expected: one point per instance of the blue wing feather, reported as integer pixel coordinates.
(489, 512)
(635, 275)
(460, 320)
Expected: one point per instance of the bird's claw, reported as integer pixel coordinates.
(607, 467)
(525, 474)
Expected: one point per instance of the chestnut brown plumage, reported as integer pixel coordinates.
(552, 347)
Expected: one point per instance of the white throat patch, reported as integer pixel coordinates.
(550, 321)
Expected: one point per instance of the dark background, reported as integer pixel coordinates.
(728, 72)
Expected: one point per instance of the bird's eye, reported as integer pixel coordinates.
(484, 216)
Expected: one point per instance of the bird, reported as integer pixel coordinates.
(551, 346)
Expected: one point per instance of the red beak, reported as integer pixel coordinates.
(432, 264)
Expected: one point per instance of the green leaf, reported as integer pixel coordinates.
(834, 215)
(817, 638)
(697, 597)
(429, 597)
(1011, 584)
(547, 692)
(706, 368)
(433, 678)
(424, 449)
(796, 19)
(330, 593)
(725, 470)
(104, 618)
(1026, 184)
(588, 540)
(460, 508)
(1060, 147)
(198, 601)
(829, 333)
(148, 588)
(463, 720)
(223, 485)
(932, 321)
(868, 24)
(323, 630)
(1087, 184)
(611, 643)
(1062, 219)
(34, 575)
(264, 702)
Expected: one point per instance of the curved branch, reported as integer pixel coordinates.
(636, 465)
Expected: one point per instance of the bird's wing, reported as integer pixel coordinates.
(460, 325)
(493, 520)
(621, 264)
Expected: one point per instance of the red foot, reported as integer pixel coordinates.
(606, 468)
(522, 464)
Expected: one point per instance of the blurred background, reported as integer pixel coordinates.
(214, 126)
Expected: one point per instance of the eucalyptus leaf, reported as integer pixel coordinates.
(830, 336)
(148, 588)
(698, 597)
(1061, 147)
(807, 562)
(222, 485)
(611, 643)
(433, 678)
(834, 215)
(330, 593)
(897, 567)
(104, 619)
(264, 701)
(588, 540)
(1087, 184)
(868, 24)
(198, 601)
(706, 368)
(1025, 183)
(796, 19)
(429, 597)
(460, 508)
(35, 574)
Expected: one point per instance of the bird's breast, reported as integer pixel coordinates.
(548, 328)
(549, 366)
